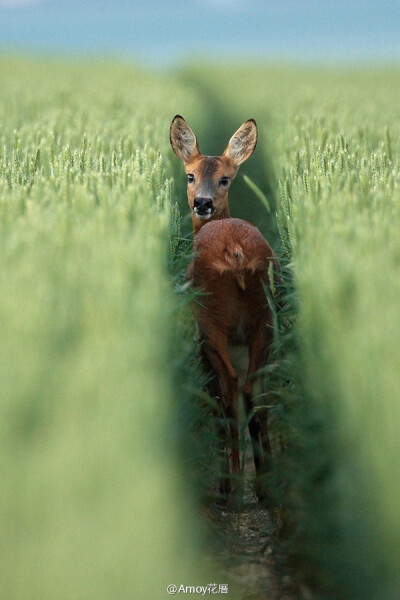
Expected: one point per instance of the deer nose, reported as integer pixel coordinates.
(203, 205)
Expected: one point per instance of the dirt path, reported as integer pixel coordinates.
(245, 552)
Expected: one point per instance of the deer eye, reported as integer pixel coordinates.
(224, 181)
(190, 177)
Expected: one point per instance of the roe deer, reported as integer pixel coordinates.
(231, 265)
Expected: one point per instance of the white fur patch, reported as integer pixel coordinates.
(203, 217)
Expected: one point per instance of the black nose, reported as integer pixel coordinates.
(203, 205)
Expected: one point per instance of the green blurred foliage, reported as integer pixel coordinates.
(331, 145)
(99, 392)
(94, 502)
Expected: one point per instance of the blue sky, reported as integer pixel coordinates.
(162, 32)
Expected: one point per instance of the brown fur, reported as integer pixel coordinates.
(230, 247)
(231, 266)
(211, 168)
(200, 168)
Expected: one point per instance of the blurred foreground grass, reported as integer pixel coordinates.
(331, 144)
(96, 382)
(93, 501)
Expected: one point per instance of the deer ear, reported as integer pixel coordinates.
(242, 144)
(183, 140)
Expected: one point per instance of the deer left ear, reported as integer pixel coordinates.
(183, 140)
(242, 144)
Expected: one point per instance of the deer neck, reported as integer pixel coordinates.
(198, 223)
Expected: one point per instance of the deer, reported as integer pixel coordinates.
(232, 266)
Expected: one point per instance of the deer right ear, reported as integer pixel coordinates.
(243, 142)
(183, 140)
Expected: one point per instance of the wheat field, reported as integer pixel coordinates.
(100, 392)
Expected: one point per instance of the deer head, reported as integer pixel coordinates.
(209, 177)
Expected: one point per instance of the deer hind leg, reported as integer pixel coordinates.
(258, 423)
(214, 389)
(216, 351)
